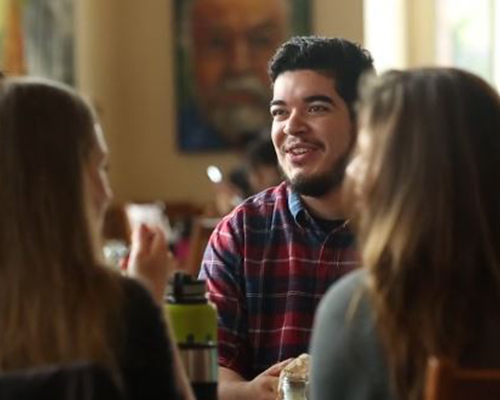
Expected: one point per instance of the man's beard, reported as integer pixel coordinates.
(320, 185)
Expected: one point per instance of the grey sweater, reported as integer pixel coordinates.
(347, 357)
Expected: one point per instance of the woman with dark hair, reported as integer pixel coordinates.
(58, 304)
(423, 182)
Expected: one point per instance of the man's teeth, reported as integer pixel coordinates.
(299, 151)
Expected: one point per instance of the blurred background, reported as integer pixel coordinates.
(124, 61)
(123, 55)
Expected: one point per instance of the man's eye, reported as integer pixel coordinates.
(277, 112)
(317, 108)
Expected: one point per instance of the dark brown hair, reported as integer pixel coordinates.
(343, 61)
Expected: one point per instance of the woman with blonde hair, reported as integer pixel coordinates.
(58, 304)
(424, 184)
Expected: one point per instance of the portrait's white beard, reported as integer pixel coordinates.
(237, 121)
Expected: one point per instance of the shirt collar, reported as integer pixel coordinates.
(295, 205)
(300, 213)
(302, 216)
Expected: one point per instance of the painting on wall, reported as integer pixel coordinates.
(37, 38)
(222, 51)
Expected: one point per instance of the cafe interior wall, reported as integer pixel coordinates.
(124, 53)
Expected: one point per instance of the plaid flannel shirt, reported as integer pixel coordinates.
(267, 265)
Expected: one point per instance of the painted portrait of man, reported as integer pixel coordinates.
(223, 48)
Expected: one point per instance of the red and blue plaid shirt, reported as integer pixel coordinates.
(267, 265)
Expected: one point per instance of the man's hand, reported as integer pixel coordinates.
(263, 387)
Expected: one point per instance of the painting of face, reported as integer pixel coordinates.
(227, 45)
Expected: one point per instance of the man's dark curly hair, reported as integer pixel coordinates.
(340, 59)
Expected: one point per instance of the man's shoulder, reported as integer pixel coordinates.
(269, 207)
(268, 200)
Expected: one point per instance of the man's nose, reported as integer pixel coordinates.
(295, 124)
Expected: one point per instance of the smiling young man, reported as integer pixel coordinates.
(270, 261)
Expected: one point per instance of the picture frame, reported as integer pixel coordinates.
(222, 49)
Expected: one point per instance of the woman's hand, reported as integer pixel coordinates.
(150, 260)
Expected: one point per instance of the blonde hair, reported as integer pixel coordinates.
(429, 217)
(57, 304)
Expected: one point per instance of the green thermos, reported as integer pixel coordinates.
(194, 323)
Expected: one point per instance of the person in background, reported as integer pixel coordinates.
(268, 262)
(258, 171)
(59, 303)
(422, 183)
(262, 165)
(229, 191)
